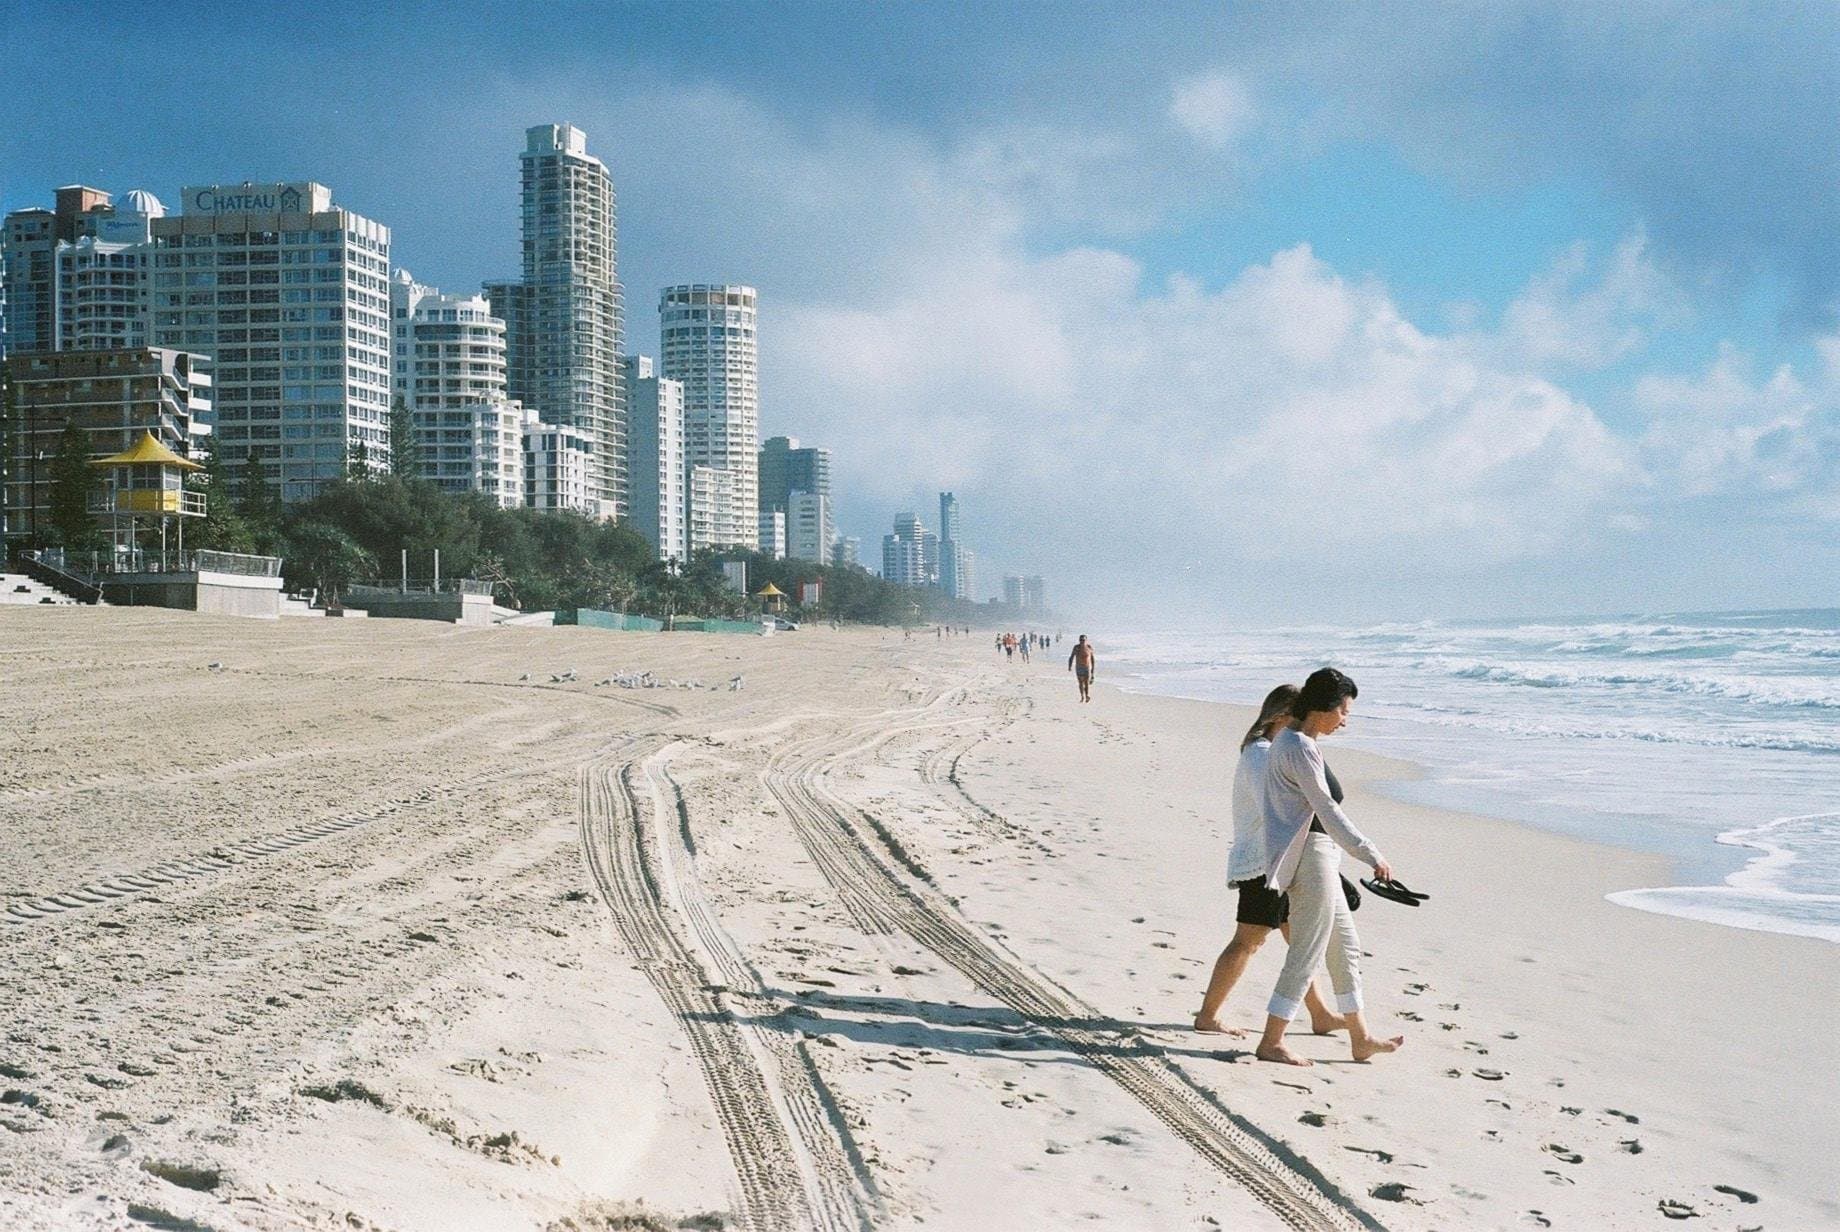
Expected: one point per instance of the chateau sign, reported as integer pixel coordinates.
(251, 199)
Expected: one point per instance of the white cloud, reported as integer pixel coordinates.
(1567, 320)
(1725, 432)
(1216, 108)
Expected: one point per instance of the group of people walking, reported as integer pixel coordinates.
(1009, 645)
(1289, 832)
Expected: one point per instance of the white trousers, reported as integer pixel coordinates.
(1322, 931)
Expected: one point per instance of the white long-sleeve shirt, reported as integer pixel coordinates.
(1246, 858)
(1297, 791)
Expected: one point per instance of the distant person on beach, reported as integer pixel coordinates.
(1260, 908)
(1082, 662)
(1303, 827)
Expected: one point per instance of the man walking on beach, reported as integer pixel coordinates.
(1081, 663)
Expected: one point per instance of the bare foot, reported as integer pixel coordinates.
(1213, 1026)
(1281, 1054)
(1369, 1047)
(1327, 1024)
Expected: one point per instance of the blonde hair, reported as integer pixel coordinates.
(1277, 705)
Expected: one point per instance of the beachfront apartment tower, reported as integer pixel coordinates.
(564, 318)
(558, 464)
(772, 532)
(113, 396)
(709, 344)
(954, 557)
(809, 530)
(712, 508)
(449, 372)
(910, 556)
(846, 552)
(289, 295)
(785, 468)
(655, 468)
(28, 254)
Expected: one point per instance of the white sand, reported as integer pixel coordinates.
(361, 932)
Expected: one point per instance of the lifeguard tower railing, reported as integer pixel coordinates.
(180, 501)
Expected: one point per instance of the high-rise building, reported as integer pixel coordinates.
(29, 248)
(910, 556)
(104, 277)
(709, 344)
(564, 318)
(655, 468)
(948, 518)
(290, 297)
(558, 460)
(82, 273)
(772, 533)
(808, 527)
(846, 552)
(712, 509)
(957, 570)
(785, 468)
(449, 371)
(1025, 594)
(114, 396)
(954, 557)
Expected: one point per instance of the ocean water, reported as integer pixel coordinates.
(1711, 738)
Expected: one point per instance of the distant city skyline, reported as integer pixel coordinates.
(1536, 321)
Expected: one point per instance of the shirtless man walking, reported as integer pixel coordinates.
(1081, 663)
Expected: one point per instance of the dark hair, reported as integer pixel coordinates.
(1277, 704)
(1324, 690)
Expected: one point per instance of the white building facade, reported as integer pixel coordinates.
(809, 531)
(709, 344)
(557, 467)
(289, 295)
(449, 372)
(712, 509)
(772, 533)
(655, 467)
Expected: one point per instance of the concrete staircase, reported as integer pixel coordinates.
(17, 588)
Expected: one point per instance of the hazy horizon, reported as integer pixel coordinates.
(1278, 315)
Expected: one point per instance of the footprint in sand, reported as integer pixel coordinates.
(1630, 1146)
(1676, 1210)
(1536, 1219)
(1489, 1075)
(1627, 1116)
(1743, 1195)
(1316, 1119)
(1385, 1157)
(1564, 1154)
(1394, 1191)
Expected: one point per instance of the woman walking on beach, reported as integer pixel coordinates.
(1260, 908)
(1303, 825)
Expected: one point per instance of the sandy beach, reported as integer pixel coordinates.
(393, 925)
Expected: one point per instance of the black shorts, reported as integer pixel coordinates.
(1260, 904)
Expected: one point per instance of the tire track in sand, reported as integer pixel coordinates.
(867, 866)
(116, 887)
(795, 1161)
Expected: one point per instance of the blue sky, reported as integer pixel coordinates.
(1476, 309)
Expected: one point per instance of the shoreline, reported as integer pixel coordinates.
(1662, 896)
(374, 927)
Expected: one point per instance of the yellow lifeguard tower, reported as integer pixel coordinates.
(146, 484)
(771, 597)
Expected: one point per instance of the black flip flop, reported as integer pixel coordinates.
(1394, 891)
